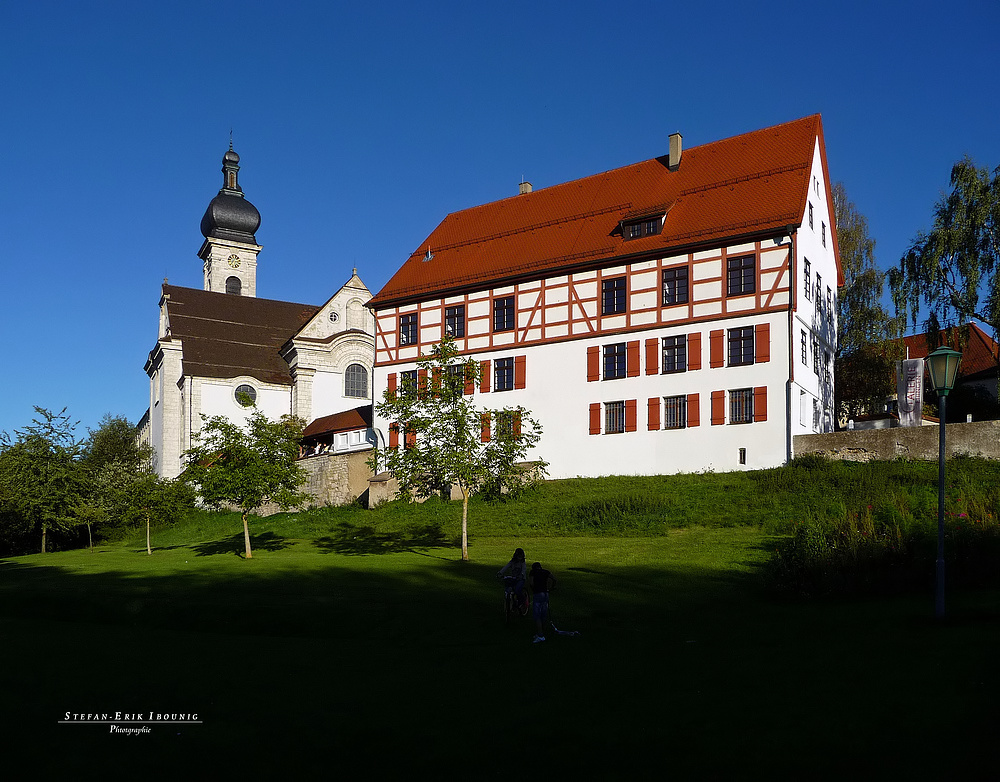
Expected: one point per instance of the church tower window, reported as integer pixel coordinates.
(233, 285)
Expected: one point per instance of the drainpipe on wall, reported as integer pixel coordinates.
(793, 290)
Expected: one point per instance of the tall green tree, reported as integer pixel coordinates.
(950, 274)
(42, 481)
(246, 468)
(866, 351)
(114, 441)
(447, 440)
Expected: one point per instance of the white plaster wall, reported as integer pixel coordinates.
(559, 396)
(809, 245)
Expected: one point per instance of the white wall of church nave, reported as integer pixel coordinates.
(218, 397)
(329, 397)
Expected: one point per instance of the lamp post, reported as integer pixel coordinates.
(942, 365)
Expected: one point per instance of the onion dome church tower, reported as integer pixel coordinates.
(230, 249)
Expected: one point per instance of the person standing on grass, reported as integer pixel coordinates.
(542, 582)
(517, 571)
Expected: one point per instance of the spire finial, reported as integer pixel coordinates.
(230, 139)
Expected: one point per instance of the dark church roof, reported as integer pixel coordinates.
(227, 336)
(229, 214)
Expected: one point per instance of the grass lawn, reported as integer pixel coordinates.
(339, 651)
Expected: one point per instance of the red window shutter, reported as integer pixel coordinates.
(762, 343)
(410, 437)
(760, 403)
(470, 381)
(652, 356)
(516, 423)
(422, 382)
(632, 359)
(519, 371)
(484, 380)
(718, 408)
(694, 410)
(484, 425)
(630, 411)
(716, 348)
(653, 420)
(436, 378)
(595, 418)
(593, 363)
(390, 385)
(694, 351)
(394, 435)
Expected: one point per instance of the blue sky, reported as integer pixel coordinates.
(360, 126)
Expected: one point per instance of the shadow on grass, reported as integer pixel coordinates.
(234, 544)
(349, 539)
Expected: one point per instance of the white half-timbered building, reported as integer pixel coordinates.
(676, 315)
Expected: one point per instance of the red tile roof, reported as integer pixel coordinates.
(980, 355)
(347, 421)
(753, 184)
(226, 336)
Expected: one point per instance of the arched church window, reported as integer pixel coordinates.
(356, 381)
(234, 286)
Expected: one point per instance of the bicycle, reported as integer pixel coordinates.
(511, 607)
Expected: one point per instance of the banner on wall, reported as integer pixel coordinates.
(910, 391)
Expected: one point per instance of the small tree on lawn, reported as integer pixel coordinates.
(444, 439)
(247, 467)
(42, 481)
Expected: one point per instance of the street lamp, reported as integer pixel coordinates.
(942, 365)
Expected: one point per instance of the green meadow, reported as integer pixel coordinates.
(357, 642)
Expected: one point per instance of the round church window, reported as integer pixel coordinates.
(246, 395)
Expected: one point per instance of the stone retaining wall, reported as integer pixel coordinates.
(980, 438)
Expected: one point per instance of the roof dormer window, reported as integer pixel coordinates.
(647, 226)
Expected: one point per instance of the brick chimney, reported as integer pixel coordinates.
(674, 159)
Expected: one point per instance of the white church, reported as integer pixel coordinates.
(221, 349)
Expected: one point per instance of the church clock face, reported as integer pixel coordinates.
(234, 261)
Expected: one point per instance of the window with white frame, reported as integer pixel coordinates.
(829, 305)
(741, 275)
(615, 361)
(674, 412)
(503, 314)
(807, 278)
(675, 285)
(408, 383)
(356, 381)
(503, 374)
(613, 296)
(454, 321)
(804, 348)
(816, 359)
(741, 346)
(741, 406)
(824, 234)
(408, 329)
(614, 417)
(674, 354)
(810, 214)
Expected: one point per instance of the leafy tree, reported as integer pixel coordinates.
(449, 441)
(157, 500)
(114, 441)
(953, 272)
(42, 482)
(247, 467)
(866, 353)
